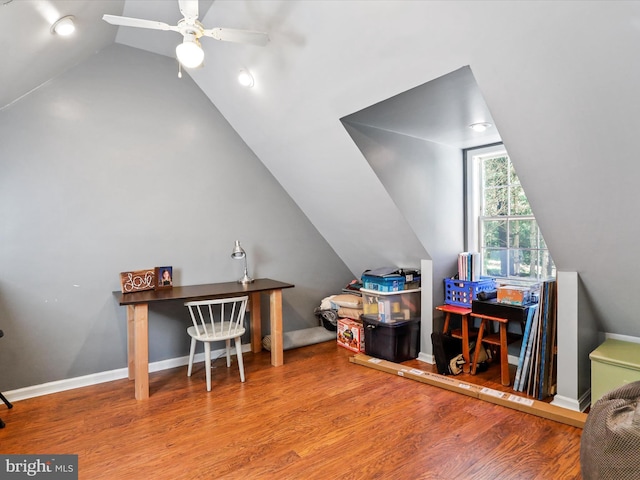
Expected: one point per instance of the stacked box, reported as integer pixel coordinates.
(514, 295)
(396, 342)
(350, 334)
(387, 283)
(389, 307)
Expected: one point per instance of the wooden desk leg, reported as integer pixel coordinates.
(256, 323)
(275, 300)
(131, 347)
(465, 344)
(504, 355)
(141, 350)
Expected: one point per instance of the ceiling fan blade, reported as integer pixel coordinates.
(189, 10)
(238, 36)
(137, 22)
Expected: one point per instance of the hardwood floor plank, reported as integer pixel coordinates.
(318, 416)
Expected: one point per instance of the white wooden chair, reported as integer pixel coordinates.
(215, 321)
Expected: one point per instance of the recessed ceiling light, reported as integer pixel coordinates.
(245, 79)
(64, 26)
(479, 127)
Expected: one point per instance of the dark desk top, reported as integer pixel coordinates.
(210, 290)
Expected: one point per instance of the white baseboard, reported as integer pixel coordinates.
(109, 376)
(623, 338)
(427, 358)
(579, 405)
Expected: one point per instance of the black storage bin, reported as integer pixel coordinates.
(397, 342)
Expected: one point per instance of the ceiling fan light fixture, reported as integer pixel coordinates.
(64, 26)
(189, 52)
(245, 79)
(479, 127)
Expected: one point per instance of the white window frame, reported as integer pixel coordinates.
(473, 201)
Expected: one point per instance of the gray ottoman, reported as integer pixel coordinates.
(610, 442)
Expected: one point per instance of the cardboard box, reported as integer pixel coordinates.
(350, 334)
(514, 295)
(509, 400)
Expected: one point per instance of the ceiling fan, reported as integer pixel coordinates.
(189, 52)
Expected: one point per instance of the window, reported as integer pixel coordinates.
(500, 222)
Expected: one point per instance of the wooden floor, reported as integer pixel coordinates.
(317, 417)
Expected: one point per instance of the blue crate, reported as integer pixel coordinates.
(461, 292)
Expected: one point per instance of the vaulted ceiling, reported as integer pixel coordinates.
(559, 80)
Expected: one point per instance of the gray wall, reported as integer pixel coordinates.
(119, 165)
(425, 181)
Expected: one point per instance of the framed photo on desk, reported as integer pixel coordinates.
(164, 277)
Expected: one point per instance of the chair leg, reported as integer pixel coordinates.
(207, 363)
(228, 345)
(239, 355)
(6, 402)
(192, 352)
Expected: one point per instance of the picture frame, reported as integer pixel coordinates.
(163, 277)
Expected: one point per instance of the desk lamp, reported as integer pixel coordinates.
(237, 254)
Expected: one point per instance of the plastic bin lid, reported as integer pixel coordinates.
(377, 292)
(373, 319)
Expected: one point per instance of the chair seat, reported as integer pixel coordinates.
(204, 334)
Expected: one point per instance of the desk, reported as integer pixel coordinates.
(137, 304)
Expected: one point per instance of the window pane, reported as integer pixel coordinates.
(494, 233)
(513, 178)
(524, 263)
(496, 202)
(494, 262)
(523, 234)
(543, 244)
(519, 203)
(510, 240)
(547, 267)
(494, 171)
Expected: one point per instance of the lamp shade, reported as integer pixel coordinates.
(190, 53)
(238, 253)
